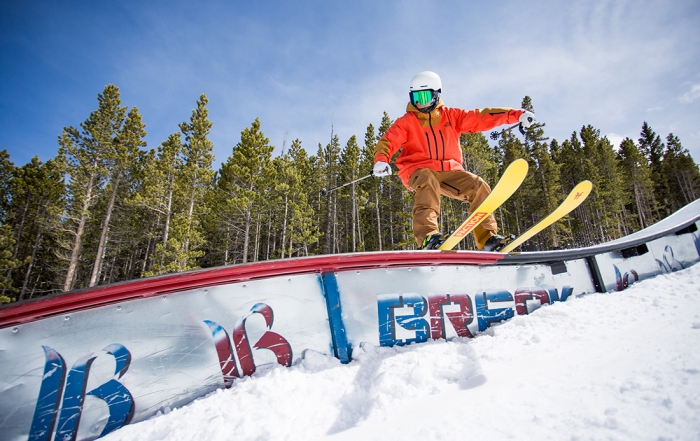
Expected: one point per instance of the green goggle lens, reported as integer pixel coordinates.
(422, 97)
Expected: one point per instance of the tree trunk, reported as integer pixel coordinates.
(18, 237)
(77, 244)
(271, 247)
(360, 236)
(257, 239)
(99, 256)
(336, 242)
(168, 214)
(284, 224)
(30, 266)
(190, 216)
(638, 202)
(227, 244)
(354, 220)
(246, 238)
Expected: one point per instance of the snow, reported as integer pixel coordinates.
(614, 366)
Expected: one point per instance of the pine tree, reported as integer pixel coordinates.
(157, 197)
(7, 264)
(384, 228)
(7, 170)
(576, 166)
(121, 156)
(653, 148)
(131, 233)
(350, 170)
(639, 186)
(37, 190)
(317, 181)
(548, 193)
(194, 182)
(84, 158)
(290, 197)
(479, 157)
(303, 230)
(545, 193)
(240, 180)
(681, 172)
(325, 171)
(607, 200)
(7, 242)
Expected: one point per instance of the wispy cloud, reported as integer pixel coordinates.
(616, 139)
(691, 95)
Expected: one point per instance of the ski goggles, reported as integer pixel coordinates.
(423, 98)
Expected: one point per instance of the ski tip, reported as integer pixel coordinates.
(519, 166)
(581, 191)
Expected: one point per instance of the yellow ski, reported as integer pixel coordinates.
(506, 186)
(573, 200)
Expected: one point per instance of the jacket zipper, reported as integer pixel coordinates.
(437, 147)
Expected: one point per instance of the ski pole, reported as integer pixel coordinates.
(495, 135)
(324, 192)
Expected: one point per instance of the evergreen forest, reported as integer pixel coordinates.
(107, 208)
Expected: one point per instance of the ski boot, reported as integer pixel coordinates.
(432, 242)
(497, 242)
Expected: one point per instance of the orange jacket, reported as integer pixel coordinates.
(431, 140)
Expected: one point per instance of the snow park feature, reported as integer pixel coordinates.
(596, 367)
(84, 364)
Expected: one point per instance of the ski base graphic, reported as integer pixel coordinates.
(506, 186)
(573, 200)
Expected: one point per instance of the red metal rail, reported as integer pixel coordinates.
(32, 310)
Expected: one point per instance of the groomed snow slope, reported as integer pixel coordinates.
(615, 366)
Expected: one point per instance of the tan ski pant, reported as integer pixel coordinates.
(428, 185)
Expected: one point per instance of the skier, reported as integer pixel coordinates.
(430, 163)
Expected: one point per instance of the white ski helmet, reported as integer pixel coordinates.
(426, 80)
(424, 91)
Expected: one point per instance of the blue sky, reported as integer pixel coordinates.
(304, 67)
